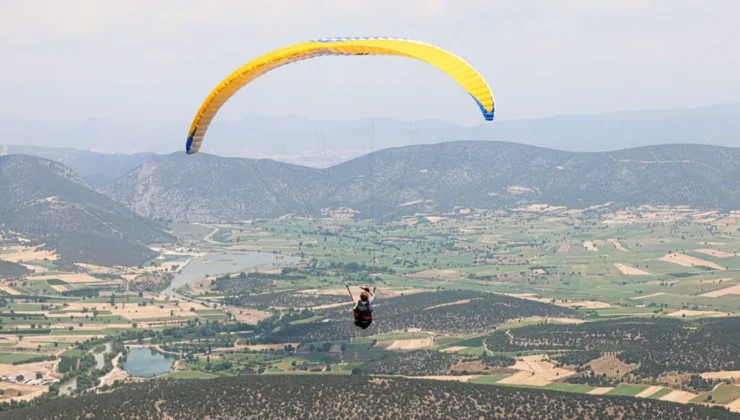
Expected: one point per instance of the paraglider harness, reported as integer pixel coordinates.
(363, 312)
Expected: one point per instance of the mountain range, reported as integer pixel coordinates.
(430, 178)
(48, 203)
(96, 169)
(324, 143)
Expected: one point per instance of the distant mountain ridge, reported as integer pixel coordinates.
(430, 178)
(49, 203)
(323, 143)
(96, 169)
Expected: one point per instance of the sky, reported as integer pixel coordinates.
(156, 60)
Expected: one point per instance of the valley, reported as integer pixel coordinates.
(505, 298)
(352, 210)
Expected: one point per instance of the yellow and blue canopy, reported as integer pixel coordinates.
(449, 63)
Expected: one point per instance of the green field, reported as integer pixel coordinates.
(190, 374)
(9, 358)
(662, 393)
(22, 307)
(487, 379)
(570, 388)
(473, 351)
(627, 390)
(307, 320)
(56, 282)
(724, 394)
(73, 353)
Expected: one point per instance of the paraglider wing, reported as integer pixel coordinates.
(452, 65)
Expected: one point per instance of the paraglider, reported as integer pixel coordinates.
(363, 308)
(449, 63)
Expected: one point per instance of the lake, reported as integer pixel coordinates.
(144, 362)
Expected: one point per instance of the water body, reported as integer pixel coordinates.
(144, 362)
(100, 357)
(226, 262)
(68, 387)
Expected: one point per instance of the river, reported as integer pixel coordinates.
(226, 262)
(147, 363)
(68, 387)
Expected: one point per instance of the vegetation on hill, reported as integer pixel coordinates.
(657, 345)
(50, 204)
(445, 311)
(428, 363)
(413, 363)
(300, 396)
(244, 283)
(480, 174)
(10, 270)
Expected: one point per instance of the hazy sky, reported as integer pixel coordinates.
(156, 60)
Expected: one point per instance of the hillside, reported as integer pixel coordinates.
(451, 312)
(299, 396)
(430, 178)
(9, 270)
(96, 169)
(178, 187)
(48, 203)
(658, 346)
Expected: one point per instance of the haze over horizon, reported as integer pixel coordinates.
(129, 77)
(323, 143)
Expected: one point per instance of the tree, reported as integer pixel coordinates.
(39, 375)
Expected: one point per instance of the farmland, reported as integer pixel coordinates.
(584, 302)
